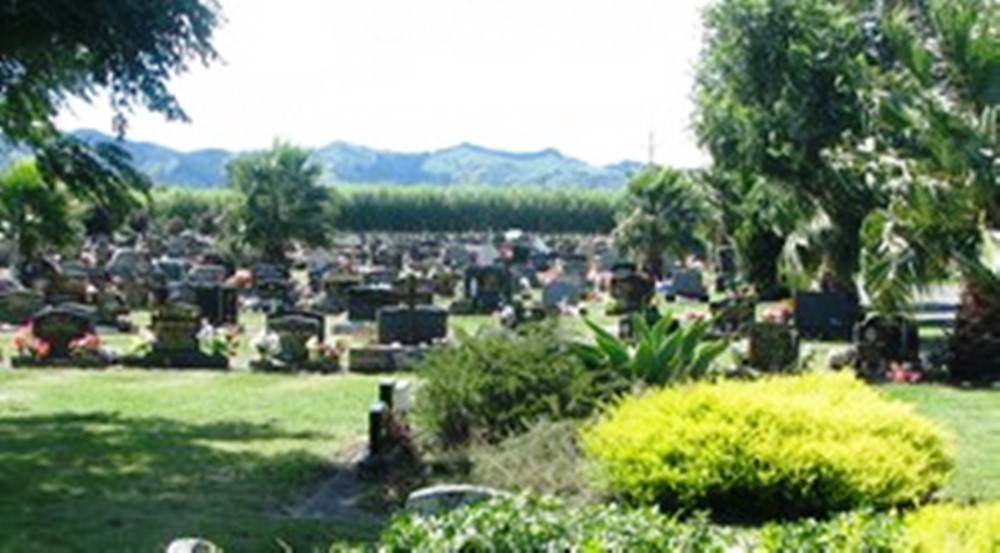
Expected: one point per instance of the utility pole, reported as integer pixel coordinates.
(651, 149)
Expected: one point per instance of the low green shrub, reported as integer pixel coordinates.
(535, 523)
(529, 523)
(851, 532)
(781, 447)
(945, 527)
(498, 384)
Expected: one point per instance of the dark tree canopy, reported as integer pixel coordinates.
(54, 50)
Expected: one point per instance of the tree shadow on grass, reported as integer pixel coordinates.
(108, 482)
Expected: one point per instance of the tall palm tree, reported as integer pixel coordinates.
(938, 147)
(33, 215)
(661, 216)
(283, 200)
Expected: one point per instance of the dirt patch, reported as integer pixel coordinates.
(344, 496)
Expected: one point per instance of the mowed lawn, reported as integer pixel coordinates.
(125, 460)
(973, 418)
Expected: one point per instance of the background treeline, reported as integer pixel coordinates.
(419, 209)
(474, 209)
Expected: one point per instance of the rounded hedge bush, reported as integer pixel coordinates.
(777, 448)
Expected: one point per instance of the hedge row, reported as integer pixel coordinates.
(528, 523)
(437, 209)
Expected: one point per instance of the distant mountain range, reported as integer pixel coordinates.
(349, 163)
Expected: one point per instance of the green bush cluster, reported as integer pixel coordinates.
(781, 447)
(532, 523)
(499, 384)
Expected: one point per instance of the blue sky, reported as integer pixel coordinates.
(592, 78)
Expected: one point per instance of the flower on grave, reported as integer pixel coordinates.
(40, 348)
(266, 344)
(231, 334)
(28, 345)
(22, 339)
(315, 348)
(692, 316)
(322, 351)
(213, 340)
(903, 373)
(143, 342)
(88, 344)
(779, 314)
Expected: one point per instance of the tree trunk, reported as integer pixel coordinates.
(974, 348)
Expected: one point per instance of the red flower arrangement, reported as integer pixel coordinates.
(88, 344)
(27, 345)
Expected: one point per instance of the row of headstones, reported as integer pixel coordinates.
(177, 335)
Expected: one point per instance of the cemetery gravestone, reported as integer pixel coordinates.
(219, 304)
(206, 275)
(19, 306)
(457, 256)
(294, 330)
(560, 292)
(418, 322)
(363, 302)
(826, 315)
(733, 315)
(487, 288)
(112, 309)
(444, 282)
(273, 296)
(773, 346)
(335, 292)
(410, 326)
(59, 326)
(881, 340)
(176, 326)
(70, 284)
(632, 291)
(575, 269)
(381, 276)
(687, 284)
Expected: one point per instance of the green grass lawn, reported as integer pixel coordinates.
(973, 418)
(127, 460)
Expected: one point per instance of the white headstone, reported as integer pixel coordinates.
(487, 255)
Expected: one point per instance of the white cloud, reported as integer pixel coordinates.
(591, 78)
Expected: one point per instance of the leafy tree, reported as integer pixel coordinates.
(758, 217)
(779, 84)
(33, 215)
(937, 143)
(283, 200)
(54, 50)
(661, 215)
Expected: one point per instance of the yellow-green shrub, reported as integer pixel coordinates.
(780, 447)
(955, 529)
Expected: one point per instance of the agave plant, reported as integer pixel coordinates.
(663, 353)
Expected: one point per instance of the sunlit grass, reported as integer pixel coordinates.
(125, 460)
